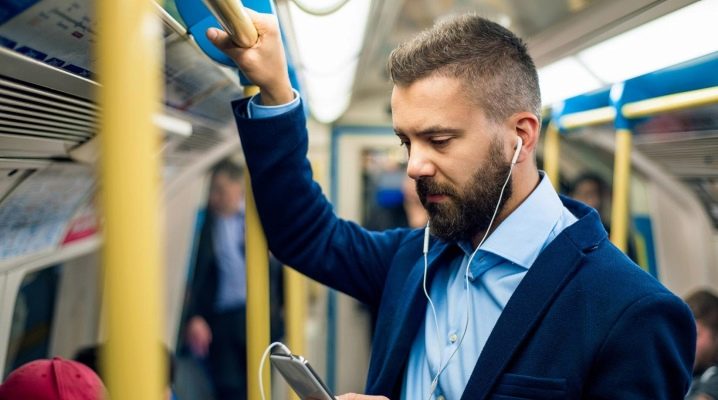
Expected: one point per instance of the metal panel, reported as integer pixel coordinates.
(27, 146)
(25, 69)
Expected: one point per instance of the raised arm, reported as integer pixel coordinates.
(299, 222)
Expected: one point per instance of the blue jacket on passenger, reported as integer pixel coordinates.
(585, 322)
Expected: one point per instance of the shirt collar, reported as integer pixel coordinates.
(523, 234)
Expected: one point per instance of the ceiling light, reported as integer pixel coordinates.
(685, 34)
(565, 78)
(326, 43)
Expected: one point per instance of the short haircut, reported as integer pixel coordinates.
(228, 168)
(704, 305)
(493, 63)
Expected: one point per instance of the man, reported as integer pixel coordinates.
(547, 308)
(216, 310)
(704, 305)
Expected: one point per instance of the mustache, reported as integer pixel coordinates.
(427, 186)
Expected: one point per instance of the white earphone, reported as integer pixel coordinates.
(519, 143)
(442, 366)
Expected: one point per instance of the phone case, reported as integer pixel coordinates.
(301, 377)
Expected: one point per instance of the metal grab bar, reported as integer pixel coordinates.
(235, 21)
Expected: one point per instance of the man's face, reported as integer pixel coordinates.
(225, 195)
(456, 155)
(706, 347)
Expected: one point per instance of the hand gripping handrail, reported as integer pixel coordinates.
(235, 21)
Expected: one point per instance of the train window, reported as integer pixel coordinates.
(32, 318)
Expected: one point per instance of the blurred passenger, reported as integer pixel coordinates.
(383, 208)
(704, 305)
(90, 357)
(216, 310)
(415, 211)
(56, 379)
(592, 190)
(548, 308)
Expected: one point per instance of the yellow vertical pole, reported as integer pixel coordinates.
(621, 189)
(129, 55)
(257, 290)
(551, 153)
(295, 311)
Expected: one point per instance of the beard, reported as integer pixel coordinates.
(468, 211)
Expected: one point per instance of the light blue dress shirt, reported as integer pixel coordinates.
(228, 246)
(496, 271)
(257, 110)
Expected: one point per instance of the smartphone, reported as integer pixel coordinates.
(301, 377)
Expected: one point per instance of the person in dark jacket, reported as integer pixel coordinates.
(216, 326)
(529, 298)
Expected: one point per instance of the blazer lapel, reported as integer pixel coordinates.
(545, 279)
(409, 316)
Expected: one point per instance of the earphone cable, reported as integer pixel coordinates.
(435, 381)
(264, 357)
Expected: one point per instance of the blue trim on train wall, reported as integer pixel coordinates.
(695, 74)
(337, 133)
(699, 73)
(10, 9)
(643, 228)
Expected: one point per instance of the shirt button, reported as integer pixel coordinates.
(453, 338)
(440, 397)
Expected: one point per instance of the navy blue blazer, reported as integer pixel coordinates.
(585, 322)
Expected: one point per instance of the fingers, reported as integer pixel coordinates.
(220, 39)
(264, 23)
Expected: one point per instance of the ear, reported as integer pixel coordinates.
(526, 126)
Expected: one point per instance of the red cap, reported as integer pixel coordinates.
(56, 379)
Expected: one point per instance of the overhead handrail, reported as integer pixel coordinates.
(235, 21)
(671, 102)
(597, 116)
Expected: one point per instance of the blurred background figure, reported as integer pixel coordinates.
(215, 329)
(592, 190)
(56, 379)
(382, 177)
(704, 305)
(415, 212)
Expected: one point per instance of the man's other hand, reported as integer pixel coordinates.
(199, 336)
(264, 63)
(354, 396)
